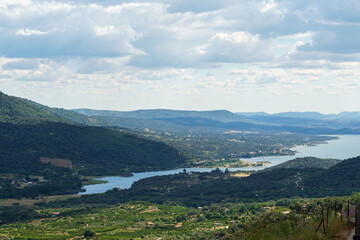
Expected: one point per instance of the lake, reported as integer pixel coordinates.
(346, 146)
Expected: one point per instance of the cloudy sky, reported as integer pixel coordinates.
(240, 55)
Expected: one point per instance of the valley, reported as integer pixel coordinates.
(186, 174)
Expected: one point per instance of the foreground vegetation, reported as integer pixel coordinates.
(282, 219)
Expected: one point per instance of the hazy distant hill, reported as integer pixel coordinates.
(271, 119)
(246, 126)
(137, 123)
(349, 120)
(306, 115)
(247, 114)
(218, 115)
(342, 117)
(76, 117)
(175, 120)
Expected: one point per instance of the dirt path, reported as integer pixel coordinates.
(351, 234)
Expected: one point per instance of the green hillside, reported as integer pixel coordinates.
(343, 178)
(29, 131)
(306, 162)
(75, 117)
(19, 110)
(38, 141)
(92, 150)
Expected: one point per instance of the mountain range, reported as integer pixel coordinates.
(176, 120)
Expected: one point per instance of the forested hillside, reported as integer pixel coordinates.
(92, 150)
(306, 162)
(19, 110)
(39, 141)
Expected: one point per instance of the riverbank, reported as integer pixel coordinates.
(342, 147)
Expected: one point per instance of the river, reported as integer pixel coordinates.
(346, 146)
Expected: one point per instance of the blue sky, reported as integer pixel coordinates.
(248, 55)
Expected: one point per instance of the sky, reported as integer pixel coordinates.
(239, 55)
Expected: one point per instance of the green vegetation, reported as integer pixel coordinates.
(30, 132)
(282, 219)
(53, 181)
(225, 148)
(341, 179)
(17, 214)
(200, 189)
(306, 162)
(22, 111)
(19, 110)
(46, 151)
(92, 150)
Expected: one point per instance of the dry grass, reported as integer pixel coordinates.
(57, 162)
(30, 202)
(240, 175)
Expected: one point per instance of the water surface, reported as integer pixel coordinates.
(346, 146)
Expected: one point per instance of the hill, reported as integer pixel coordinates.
(92, 150)
(19, 110)
(217, 115)
(202, 121)
(29, 131)
(306, 115)
(342, 178)
(306, 162)
(75, 117)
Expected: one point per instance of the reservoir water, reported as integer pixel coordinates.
(346, 146)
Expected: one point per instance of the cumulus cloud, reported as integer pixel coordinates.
(237, 47)
(184, 46)
(152, 34)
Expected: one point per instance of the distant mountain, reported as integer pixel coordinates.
(137, 123)
(217, 115)
(246, 126)
(343, 116)
(185, 121)
(247, 114)
(305, 115)
(271, 119)
(76, 117)
(350, 120)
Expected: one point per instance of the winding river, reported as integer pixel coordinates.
(346, 146)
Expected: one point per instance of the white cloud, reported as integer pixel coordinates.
(29, 32)
(237, 47)
(171, 47)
